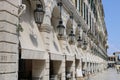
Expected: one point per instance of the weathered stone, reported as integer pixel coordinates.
(10, 76)
(5, 6)
(8, 37)
(7, 17)
(8, 68)
(8, 57)
(5, 26)
(8, 47)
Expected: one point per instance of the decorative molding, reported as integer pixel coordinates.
(45, 28)
(61, 37)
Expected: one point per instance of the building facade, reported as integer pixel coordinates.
(29, 51)
(111, 61)
(116, 55)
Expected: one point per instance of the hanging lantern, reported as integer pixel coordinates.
(79, 41)
(39, 14)
(71, 37)
(85, 44)
(79, 27)
(60, 26)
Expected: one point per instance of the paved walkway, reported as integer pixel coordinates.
(109, 74)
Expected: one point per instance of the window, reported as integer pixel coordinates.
(96, 16)
(91, 4)
(84, 11)
(92, 25)
(79, 5)
(90, 20)
(87, 14)
(76, 3)
(89, 1)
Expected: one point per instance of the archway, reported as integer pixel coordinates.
(69, 26)
(55, 18)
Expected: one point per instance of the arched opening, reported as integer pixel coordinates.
(55, 18)
(69, 70)
(69, 26)
(24, 67)
(55, 70)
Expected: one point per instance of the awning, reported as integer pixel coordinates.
(56, 57)
(70, 58)
(33, 54)
(32, 46)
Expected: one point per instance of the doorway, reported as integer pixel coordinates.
(25, 69)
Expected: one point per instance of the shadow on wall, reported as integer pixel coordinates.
(33, 38)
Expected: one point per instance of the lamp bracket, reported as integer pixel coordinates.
(21, 9)
(59, 3)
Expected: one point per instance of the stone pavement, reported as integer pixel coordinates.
(109, 74)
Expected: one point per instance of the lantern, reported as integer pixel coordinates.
(79, 41)
(39, 14)
(71, 37)
(60, 26)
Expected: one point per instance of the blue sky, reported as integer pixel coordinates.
(112, 19)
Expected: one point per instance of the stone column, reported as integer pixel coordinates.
(92, 68)
(47, 68)
(45, 30)
(8, 40)
(73, 68)
(63, 70)
(62, 45)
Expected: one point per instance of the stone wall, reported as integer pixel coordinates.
(8, 40)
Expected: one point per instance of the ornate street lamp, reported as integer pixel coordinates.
(85, 40)
(61, 29)
(71, 37)
(60, 26)
(79, 27)
(79, 41)
(39, 13)
(85, 44)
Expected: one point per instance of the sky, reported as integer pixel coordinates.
(112, 20)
